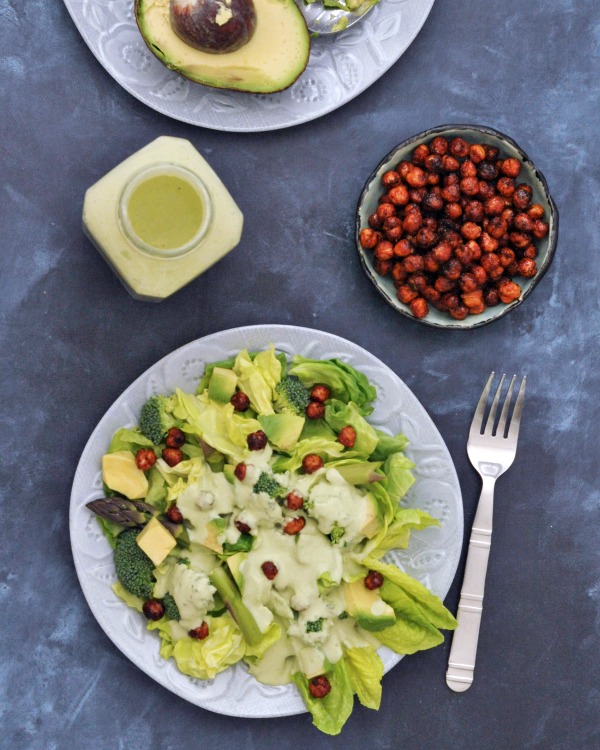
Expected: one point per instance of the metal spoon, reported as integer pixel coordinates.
(322, 20)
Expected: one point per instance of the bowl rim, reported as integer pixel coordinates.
(552, 237)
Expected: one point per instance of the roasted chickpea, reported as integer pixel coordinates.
(486, 190)
(404, 168)
(382, 267)
(470, 230)
(240, 471)
(480, 275)
(199, 633)
(474, 250)
(320, 392)
(535, 211)
(375, 221)
(311, 463)
(242, 527)
(145, 459)
(522, 223)
(453, 211)
(433, 202)
(506, 187)
(463, 254)
(530, 251)
(433, 163)
(384, 250)
(474, 211)
(442, 251)
(412, 222)
(496, 227)
(489, 262)
(405, 294)
(450, 164)
(385, 210)
(508, 215)
(347, 436)
(467, 282)
(469, 186)
(403, 248)
(451, 193)
(443, 284)
(511, 167)
(392, 228)
(487, 171)
(420, 153)
(153, 609)
(315, 410)
(452, 269)
(459, 148)
(417, 281)
(431, 264)
(492, 207)
(269, 569)
(426, 237)
(508, 291)
(416, 178)
(416, 195)
(540, 229)
(373, 580)
(527, 268)
(175, 438)
(519, 240)
(472, 299)
(399, 195)
(459, 313)
(240, 401)
(491, 152)
(398, 274)
(431, 294)
(319, 686)
(385, 198)
(477, 153)
(390, 179)
(294, 500)
(506, 257)
(522, 197)
(419, 307)
(174, 515)
(172, 456)
(450, 301)
(468, 169)
(413, 263)
(368, 238)
(438, 145)
(491, 297)
(256, 441)
(294, 526)
(433, 178)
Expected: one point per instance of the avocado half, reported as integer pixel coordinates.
(271, 61)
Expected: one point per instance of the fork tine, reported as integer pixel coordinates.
(515, 422)
(477, 422)
(504, 414)
(489, 425)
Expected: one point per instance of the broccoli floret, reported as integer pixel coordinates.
(343, 615)
(292, 397)
(133, 566)
(171, 609)
(336, 533)
(156, 418)
(314, 626)
(267, 483)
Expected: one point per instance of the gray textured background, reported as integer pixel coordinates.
(72, 340)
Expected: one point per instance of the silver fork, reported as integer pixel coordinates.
(492, 450)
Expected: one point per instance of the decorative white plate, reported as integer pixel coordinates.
(432, 557)
(341, 67)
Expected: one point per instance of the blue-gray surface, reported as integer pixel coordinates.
(72, 340)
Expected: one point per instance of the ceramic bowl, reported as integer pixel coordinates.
(530, 175)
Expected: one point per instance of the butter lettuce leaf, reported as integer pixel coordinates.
(321, 446)
(388, 444)
(130, 599)
(128, 440)
(339, 415)
(204, 659)
(399, 477)
(430, 606)
(365, 670)
(345, 383)
(258, 377)
(270, 636)
(397, 535)
(331, 712)
(228, 364)
(409, 636)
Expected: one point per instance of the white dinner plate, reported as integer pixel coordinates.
(340, 67)
(431, 558)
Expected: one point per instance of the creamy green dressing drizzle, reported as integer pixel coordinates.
(310, 568)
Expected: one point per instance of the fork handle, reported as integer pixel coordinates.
(461, 663)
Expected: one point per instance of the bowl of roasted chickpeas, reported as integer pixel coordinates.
(456, 226)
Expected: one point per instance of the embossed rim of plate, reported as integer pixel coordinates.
(290, 339)
(271, 118)
(547, 246)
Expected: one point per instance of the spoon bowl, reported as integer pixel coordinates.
(321, 20)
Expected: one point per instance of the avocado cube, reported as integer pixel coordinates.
(367, 607)
(222, 385)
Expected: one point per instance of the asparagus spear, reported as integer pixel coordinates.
(119, 510)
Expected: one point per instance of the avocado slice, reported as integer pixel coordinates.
(232, 599)
(367, 607)
(233, 563)
(282, 430)
(364, 472)
(222, 385)
(270, 61)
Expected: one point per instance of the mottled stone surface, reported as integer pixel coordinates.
(72, 340)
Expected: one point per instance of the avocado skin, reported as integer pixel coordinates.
(359, 601)
(240, 84)
(282, 430)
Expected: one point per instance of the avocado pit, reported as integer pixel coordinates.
(213, 26)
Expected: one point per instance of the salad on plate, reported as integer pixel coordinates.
(249, 522)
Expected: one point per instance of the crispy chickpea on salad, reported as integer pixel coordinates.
(249, 521)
